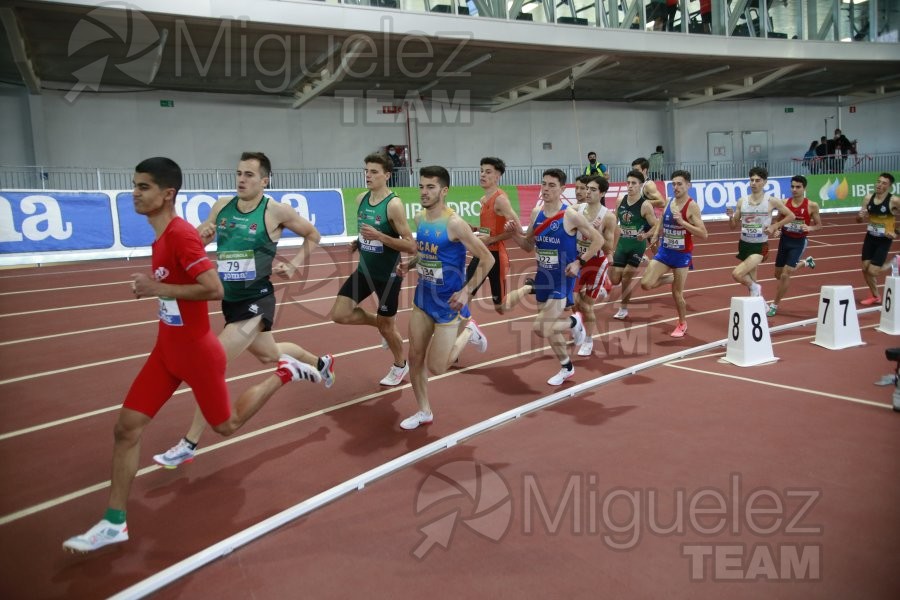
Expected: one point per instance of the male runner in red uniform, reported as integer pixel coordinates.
(186, 349)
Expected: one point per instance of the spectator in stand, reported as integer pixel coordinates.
(656, 164)
(822, 154)
(810, 160)
(843, 148)
(595, 168)
(671, 8)
(656, 14)
(706, 15)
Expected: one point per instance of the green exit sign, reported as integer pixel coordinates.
(788, 109)
(171, 103)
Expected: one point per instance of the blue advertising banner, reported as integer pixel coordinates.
(713, 195)
(323, 208)
(50, 221)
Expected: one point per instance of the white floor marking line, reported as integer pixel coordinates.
(635, 301)
(782, 386)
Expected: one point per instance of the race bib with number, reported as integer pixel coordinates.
(795, 226)
(236, 265)
(583, 246)
(673, 238)
(374, 246)
(431, 271)
(629, 232)
(169, 313)
(876, 229)
(548, 259)
(752, 231)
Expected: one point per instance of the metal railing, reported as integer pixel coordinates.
(105, 179)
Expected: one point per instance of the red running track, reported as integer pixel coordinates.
(811, 423)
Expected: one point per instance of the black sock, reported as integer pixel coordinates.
(400, 366)
(568, 366)
(573, 322)
(320, 365)
(191, 445)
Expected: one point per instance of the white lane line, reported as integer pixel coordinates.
(781, 386)
(80, 306)
(234, 439)
(307, 326)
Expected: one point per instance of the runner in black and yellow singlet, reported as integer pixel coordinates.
(878, 208)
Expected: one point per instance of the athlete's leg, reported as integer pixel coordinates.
(745, 273)
(783, 275)
(235, 338)
(655, 275)
(421, 329)
(550, 324)
(585, 305)
(678, 281)
(346, 312)
(126, 452)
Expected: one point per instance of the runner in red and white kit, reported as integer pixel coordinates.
(793, 239)
(592, 276)
(186, 350)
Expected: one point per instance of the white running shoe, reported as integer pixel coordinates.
(587, 348)
(395, 375)
(327, 370)
(755, 289)
(102, 534)
(178, 454)
(477, 338)
(420, 418)
(299, 370)
(563, 374)
(622, 314)
(578, 332)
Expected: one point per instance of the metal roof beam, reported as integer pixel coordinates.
(527, 92)
(326, 79)
(19, 52)
(749, 86)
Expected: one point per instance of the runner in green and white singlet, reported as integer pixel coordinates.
(383, 234)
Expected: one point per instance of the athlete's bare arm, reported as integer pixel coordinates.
(459, 230)
(652, 193)
(288, 218)
(397, 216)
(207, 229)
(734, 215)
(863, 212)
(575, 220)
(208, 287)
(694, 222)
(815, 218)
(526, 240)
(786, 216)
(502, 207)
